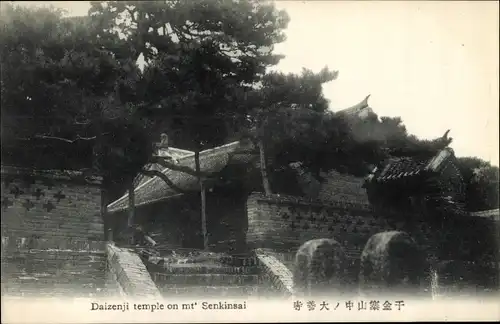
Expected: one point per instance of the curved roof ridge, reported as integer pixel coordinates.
(363, 104)
(115, 205)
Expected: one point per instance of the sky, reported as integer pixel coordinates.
(434, 64)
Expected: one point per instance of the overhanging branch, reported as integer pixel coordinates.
(62, 139)
(161, 175)
(163, 161)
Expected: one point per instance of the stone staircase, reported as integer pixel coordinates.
(231, 277)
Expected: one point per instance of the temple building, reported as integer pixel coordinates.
(172, 216)
(424, 184)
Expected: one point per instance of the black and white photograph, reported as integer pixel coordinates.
(189, 160)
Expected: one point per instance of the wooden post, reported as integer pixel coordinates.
(203, 216)
(108, 234)
(131, 212)
(203, 199)
(263, 168)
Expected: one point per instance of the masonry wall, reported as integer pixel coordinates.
(283, 223)
(343, 187)
(52, 234)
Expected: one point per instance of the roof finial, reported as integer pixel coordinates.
(164, 140)
(442, 142)
(357, 107)
(364, 103)
(447, 140)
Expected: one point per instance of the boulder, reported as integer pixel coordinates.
(320, 268)
(393, 263)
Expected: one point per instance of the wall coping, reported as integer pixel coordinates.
(20, 243)
(281, 276)
(294, 200)
(86, 177)
(490, 213)
(131, 273)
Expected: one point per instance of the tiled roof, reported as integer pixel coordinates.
(173, 152)
(155, 189)
(411, 166)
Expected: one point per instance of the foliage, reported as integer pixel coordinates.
(61, 102)
(482, 183)
(289, 115)
(83, 72)
(72, 95)
(391, 135)
(200, 55)
(393, 140)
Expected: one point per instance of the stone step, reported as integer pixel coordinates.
(210, 279)
(203, 268)
(235, 261)
(211, 291)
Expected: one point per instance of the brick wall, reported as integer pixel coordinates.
(337, 187)
(283, 223)
(52, 233)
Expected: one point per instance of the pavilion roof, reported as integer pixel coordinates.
(155, 189)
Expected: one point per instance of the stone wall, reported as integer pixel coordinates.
(52, 233)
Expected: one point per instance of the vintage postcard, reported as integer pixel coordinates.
(249, 161)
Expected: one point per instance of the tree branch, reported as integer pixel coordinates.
(161, 175)
(181, 168)
(60, 138)
(131, 12)
(78, 137)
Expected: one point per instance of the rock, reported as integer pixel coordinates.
(392, 262)
(319, 268)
